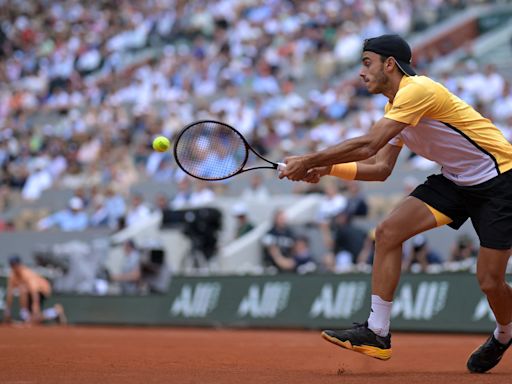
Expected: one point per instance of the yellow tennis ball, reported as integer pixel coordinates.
(161, 144)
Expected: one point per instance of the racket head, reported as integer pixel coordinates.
(210, 150)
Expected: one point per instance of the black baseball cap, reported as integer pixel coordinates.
(392, 46)
(14, 260)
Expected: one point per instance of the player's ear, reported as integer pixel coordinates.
(389, 64)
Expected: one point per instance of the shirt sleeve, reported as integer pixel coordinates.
(411, 103)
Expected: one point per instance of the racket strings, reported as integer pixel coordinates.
(211, 151)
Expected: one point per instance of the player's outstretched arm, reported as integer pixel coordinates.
(356, 149)
(381, 168)
(376, 168)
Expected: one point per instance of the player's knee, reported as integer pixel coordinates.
(490, 283)
(386, 235)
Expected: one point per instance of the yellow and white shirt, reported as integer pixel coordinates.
(445, 129)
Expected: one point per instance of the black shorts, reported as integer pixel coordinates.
(489, 205)
(42, 298)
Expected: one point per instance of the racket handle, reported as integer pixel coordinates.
(281, 166)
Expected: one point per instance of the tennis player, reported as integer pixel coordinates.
(475, 182)
(33, 291)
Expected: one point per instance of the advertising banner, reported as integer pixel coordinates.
(448, 302)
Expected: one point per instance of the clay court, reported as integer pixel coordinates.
(170, 355)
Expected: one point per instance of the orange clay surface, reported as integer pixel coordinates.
(94, 355)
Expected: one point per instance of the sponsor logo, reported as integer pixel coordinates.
(196, 301)
(483, 310)
(266, 301)
(429, 300)
(339, 302)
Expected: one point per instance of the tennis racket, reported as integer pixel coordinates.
(211, 150)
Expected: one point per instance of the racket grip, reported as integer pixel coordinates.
(281, 166)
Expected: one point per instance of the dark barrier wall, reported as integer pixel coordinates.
(443, 302)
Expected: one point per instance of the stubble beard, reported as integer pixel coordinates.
(381, 83)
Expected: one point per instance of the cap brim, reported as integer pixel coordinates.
(405, 68)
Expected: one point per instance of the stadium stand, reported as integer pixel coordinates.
(83, 90)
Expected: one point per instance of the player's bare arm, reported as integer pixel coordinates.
(376, 168)
(359, 148)
(381, 166)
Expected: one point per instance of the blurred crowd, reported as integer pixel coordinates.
(84, 89)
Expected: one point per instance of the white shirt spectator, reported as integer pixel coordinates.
(330, 207)
(137, 214)
(348, 47)
(502, 107)
(243, 119)
(494, 84)
(327, 133)
(57, 166)
(265, 84)
(36, 183)
(201, 196)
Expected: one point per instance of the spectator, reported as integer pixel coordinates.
(130, 275)
(137, 212)
(72, 218)
(33, 291)
(37, 182)
(278, 241)
(202, 194)
(365, 257)
(348, 242)
(463, 249)
(422, 258)
(256, 190)
(356, 201)
(161, 202)
(333, 203)
(110, 211)
(301, 259)
(462, 255)
(182, 197)
(243, 225)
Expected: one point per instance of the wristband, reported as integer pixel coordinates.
(347, 171)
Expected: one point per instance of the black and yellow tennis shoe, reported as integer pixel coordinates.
(487, 355)
(361, 339)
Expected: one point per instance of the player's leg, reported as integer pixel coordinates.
(25, 304)
(490, 206)
(55, 313)
(491, 269)
(410, 217)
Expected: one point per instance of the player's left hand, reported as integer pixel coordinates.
(315, 174)
(296, 169)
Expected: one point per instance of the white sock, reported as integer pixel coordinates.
(503, 333)
(380, 316)
(24, 314)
